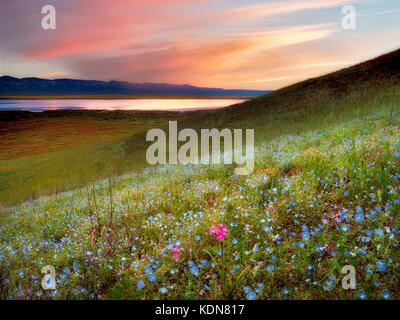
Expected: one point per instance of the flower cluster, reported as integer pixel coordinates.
(220, 232)
(175, 253)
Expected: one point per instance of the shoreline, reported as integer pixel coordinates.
(123, 97)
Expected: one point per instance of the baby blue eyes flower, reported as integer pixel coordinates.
(385, 295)
(346, 193)
(251, 295)
(379, 232)
(380, 266)
(140, 284)
(365, 239)
(234, 241)
(152, 278)
(344, 227)
(397, 154)
(197, 237)
(277, 239)
(194, 270)
(368, 270)
(148, 269)
(359, 217)
(286, 291)
(163, 290)
(270, 268)
(362, 295)
(305, 235)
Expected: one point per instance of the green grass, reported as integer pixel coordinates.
(58, 151)
(310, 175)
(324, 194)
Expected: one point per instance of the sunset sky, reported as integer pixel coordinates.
(252, 44)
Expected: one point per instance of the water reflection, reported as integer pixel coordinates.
(118, 104)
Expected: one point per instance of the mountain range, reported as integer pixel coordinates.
(10, 86)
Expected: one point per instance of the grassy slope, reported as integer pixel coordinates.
(49, 152)
(332, 99)
(325, 193)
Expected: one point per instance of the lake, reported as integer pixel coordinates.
(117, 104)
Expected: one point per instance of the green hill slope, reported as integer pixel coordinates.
(325, 194)
(315, 104)
(382, 71)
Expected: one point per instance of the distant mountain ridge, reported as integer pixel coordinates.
(10, 86)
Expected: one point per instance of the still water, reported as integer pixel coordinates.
(117, 104)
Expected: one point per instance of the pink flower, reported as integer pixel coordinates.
(175, 253)
(134, 215)
(220, 232)
(94, 231)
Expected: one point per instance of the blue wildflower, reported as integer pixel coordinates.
(270, 268)
(251, 295)
(362, 295)
(385, 294)
(359, 217)
(379, 232)
(255, 248)
(152, 278)
(194, 270)
(286, 291)
(380, 266)
(344, 227)
(140, 284)
(148, 269)
(305, 235)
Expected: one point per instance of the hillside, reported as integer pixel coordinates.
(42, 153)
(336, 96)
(381, 71)
(324, 194)
(31, 87)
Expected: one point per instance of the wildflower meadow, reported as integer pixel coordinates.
(316, 202)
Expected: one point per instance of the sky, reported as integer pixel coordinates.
(240, 44)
